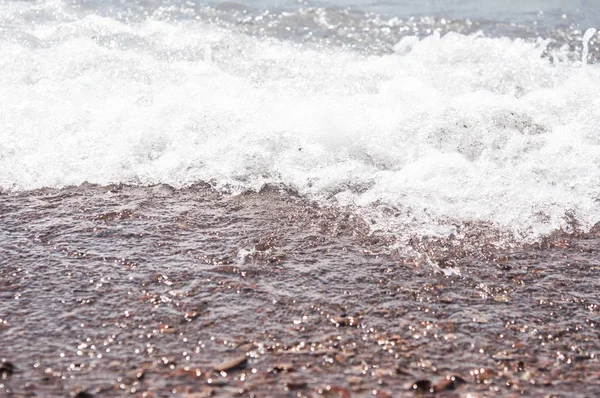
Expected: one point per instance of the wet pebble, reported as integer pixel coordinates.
(236, 363)
(482, 375)
(400, 370)
(380, 394)
(382, 372)
(354, 380)
(501, 298)
(295, 384)
(7, 369)
(283, 367)
(206, 392)
(137, 374)
(166, 329)
(422, 385)
(334, 391)
(448, 383)
(246, 347)
(342, 320)
(186, 372)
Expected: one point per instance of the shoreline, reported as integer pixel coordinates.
(190, 293)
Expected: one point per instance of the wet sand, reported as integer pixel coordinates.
(115, 291)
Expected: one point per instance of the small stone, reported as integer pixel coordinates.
(137, 374)
(501, 298)
(7, 369)
(295, 384)
(354, 380)
(403, 371)
(448, 383)
(380, 394)
(481, 375)
(186, 372)
(283, 367)
(166, 329)
(448, 327)
(334, 391)
(246, 347)
(168, 361)
(422, 385)
(206, 392)
(579, 358)
(380, 373)
(191, 315)
(343, 320)
(235, 363)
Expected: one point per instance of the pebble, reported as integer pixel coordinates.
(235, 363)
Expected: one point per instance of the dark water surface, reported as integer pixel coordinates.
(116, 290)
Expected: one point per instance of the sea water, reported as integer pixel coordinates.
(281, 198)
(439, 112)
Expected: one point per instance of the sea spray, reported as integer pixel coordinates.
(450, 129)
(208, 53)
(586, 38)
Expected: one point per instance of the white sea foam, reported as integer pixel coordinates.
(585, 39)
(448, 129)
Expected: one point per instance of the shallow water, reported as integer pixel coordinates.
(118, 290)
(436, 121)
(284, 198)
